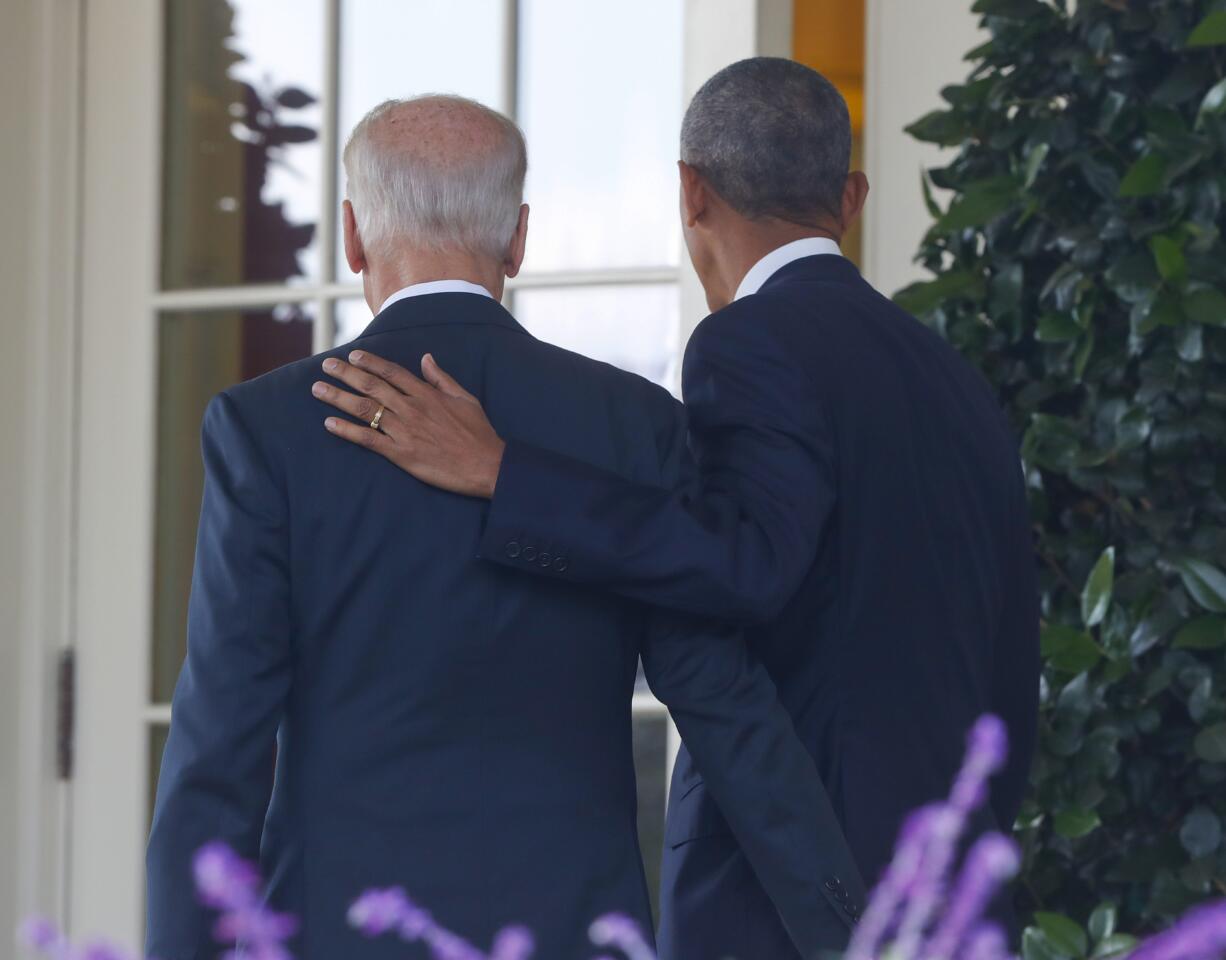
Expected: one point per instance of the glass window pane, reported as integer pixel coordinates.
(600, 103)
(352, 317)
(632, 327)
(393, 49)
(241, 157)
(200, 354)
(651, 772)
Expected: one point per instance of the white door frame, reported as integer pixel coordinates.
(45, 451)
(119, 233)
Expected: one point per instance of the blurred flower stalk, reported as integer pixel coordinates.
(925, 907)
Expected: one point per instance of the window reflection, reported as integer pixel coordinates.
(600, 103)
(392, 49)
(633, 327)
(199, 355)
(241, 158)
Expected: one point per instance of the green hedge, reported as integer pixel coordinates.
(1079, 262)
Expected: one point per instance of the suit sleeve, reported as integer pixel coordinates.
(736, 537)
(760, 775)
(216, 775)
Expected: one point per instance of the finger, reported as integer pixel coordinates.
(393, 373)
(364, 383)
(361, 435)
(441, 380)
(358, 407)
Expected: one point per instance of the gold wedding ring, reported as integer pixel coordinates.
(374, 424)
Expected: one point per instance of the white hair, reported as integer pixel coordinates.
(403, 195)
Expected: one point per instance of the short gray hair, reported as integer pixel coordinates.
(772, 137)
(403, 192)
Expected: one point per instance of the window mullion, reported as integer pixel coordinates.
(325, 325)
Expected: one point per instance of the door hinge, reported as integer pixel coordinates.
(66, 713)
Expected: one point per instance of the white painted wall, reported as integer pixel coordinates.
(915, 47)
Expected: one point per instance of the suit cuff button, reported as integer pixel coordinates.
(560, 564)
(529, 554)
(512, 549)
(545, 559)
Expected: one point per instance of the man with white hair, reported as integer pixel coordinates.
(439, 724)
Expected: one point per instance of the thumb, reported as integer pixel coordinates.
(442, 381)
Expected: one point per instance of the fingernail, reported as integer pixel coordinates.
(357, 356)
(429, 357)
(330, 423)
(318, 389)
(331, 364)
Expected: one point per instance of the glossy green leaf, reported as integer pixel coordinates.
(1205, 582)
(1169, 258)
(1144, 177)
(1114, 945)
(1037, 945)
(1065, 935)
(1102, 922)
(1210, 744)
(1205, 306)
(1057, 328)
(1096, 594)
(921, 298)
(1203, 633)
(1190, 342)
(1034, 163)
(981, 202)
(1215, 100)
(1210, 32)
(1068, 650)
(1076, 823)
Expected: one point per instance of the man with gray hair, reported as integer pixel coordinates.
(859, 502)
(440, 725)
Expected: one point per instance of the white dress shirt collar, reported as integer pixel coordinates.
(780, 257)
(436, 286)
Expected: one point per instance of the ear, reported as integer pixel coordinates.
(519, 244)
(355, 253)
(855, 193)
(694, 197)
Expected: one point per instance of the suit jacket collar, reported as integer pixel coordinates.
(434, 309)
(825, 268)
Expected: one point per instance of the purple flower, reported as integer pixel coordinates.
(993, 859)
(987, 747)
(1200, 935)
(622, 933)
(513, 943)
(101, 951)
(376, 912)
(986, 941)
(39, 933)
(900, 875)
(224, 881)
(232, 885)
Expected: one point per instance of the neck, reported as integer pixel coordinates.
(382, 279)
(748, 241)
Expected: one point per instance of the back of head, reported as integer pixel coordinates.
(773, 138)
(437, 173)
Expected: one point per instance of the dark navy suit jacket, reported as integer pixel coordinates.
(440, 723)
(861, 502)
